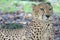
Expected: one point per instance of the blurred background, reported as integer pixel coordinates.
(15, 5)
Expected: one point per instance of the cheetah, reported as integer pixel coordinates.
(40, 28)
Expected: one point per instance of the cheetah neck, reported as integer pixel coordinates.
(36, 28)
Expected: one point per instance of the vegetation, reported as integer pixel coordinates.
(15, 5)
(12, 26)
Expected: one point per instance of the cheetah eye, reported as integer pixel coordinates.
(50, 9)
(41, 9)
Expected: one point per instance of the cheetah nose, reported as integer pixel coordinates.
(47, 16)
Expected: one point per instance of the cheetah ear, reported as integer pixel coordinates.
(33, 6)
(48, 3)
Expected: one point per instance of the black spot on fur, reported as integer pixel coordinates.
(36, 33)
(48, 24)
(37, 39)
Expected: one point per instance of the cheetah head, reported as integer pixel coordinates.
(43, 11)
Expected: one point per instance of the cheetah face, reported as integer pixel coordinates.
(43, 11)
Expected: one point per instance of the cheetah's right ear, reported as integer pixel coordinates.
(33, 6)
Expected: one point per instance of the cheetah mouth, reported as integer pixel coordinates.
(47, 19)
(44, 18)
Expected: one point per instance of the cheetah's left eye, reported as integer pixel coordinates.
(41, 9)
(50, 9)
